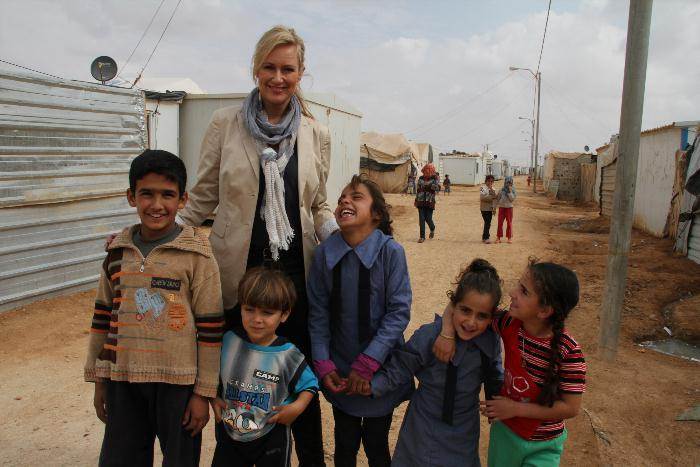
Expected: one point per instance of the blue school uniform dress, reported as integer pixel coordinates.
(372, 285)
(441, 425)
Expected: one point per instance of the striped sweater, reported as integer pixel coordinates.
(535, 356)
(159, 318)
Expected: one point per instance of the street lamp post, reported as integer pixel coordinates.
(538, 81)
(532, 139)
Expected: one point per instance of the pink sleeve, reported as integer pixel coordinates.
(323, 367)
(365, 366)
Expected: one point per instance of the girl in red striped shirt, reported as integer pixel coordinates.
(545, 369)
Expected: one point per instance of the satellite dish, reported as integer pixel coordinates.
(586, 148)
(103, 68)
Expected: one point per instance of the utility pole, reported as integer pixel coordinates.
(626, 173)
(538, 78)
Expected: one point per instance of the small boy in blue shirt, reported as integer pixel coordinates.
(265, 381)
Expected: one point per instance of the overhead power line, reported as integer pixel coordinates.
(141, 39)
(509, 133)
(544, 35)
(30, 69)
(440, 119)
(157, 43)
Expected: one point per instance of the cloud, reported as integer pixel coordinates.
(430, 68)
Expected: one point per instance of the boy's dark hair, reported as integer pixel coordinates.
(160, 162)
(480, 276)
(379, 205)
(556, 286)
(490, 177)
(267, 288)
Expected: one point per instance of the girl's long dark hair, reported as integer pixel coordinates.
(380, 207)
(556, 286)
(480, 276)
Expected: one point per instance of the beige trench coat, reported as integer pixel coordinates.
(227, 177)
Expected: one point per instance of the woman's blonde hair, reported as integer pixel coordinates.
(276, 36)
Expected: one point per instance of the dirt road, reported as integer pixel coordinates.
(631, 405)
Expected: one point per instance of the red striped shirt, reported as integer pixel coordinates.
(536, 353)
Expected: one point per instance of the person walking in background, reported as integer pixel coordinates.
(428, 187)
(487, 197)
(439, 184)
(447, 184)
(505, 209)
(411, 183)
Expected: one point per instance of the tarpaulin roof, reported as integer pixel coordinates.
(389, 148)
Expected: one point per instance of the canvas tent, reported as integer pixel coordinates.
(387, 159)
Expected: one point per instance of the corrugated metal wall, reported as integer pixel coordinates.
(607, 187)
(65, 149)
(694, 240)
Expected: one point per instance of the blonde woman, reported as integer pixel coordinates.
(265, 166)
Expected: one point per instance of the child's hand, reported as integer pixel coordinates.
(100, 401)
(196, 414)
(357, 384)
(286, 414)
(500, 408)
(334, 382)
(444, 349)
(367, 390)
(218, 405)
(444, 346)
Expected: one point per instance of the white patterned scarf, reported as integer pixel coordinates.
(273, 163)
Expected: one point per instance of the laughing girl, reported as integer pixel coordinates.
(359, 307)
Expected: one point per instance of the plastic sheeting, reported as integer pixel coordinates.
(393, 148)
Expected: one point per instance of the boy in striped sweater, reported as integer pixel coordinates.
(157, 326)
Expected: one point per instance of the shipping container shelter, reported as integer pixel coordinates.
(343, 121)
(468, 171)
(65, 151)
(656, 174)
(163, 120)
(495, 168)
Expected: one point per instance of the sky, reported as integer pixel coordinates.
(435, 71)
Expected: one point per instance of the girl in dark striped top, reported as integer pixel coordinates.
(545, 370)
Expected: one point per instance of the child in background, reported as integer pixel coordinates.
(504, 201)
(487, 201)
(447, 183)
(441, 425)
(545, 369)
(359, 307)
(156, 330)
(265, 380)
